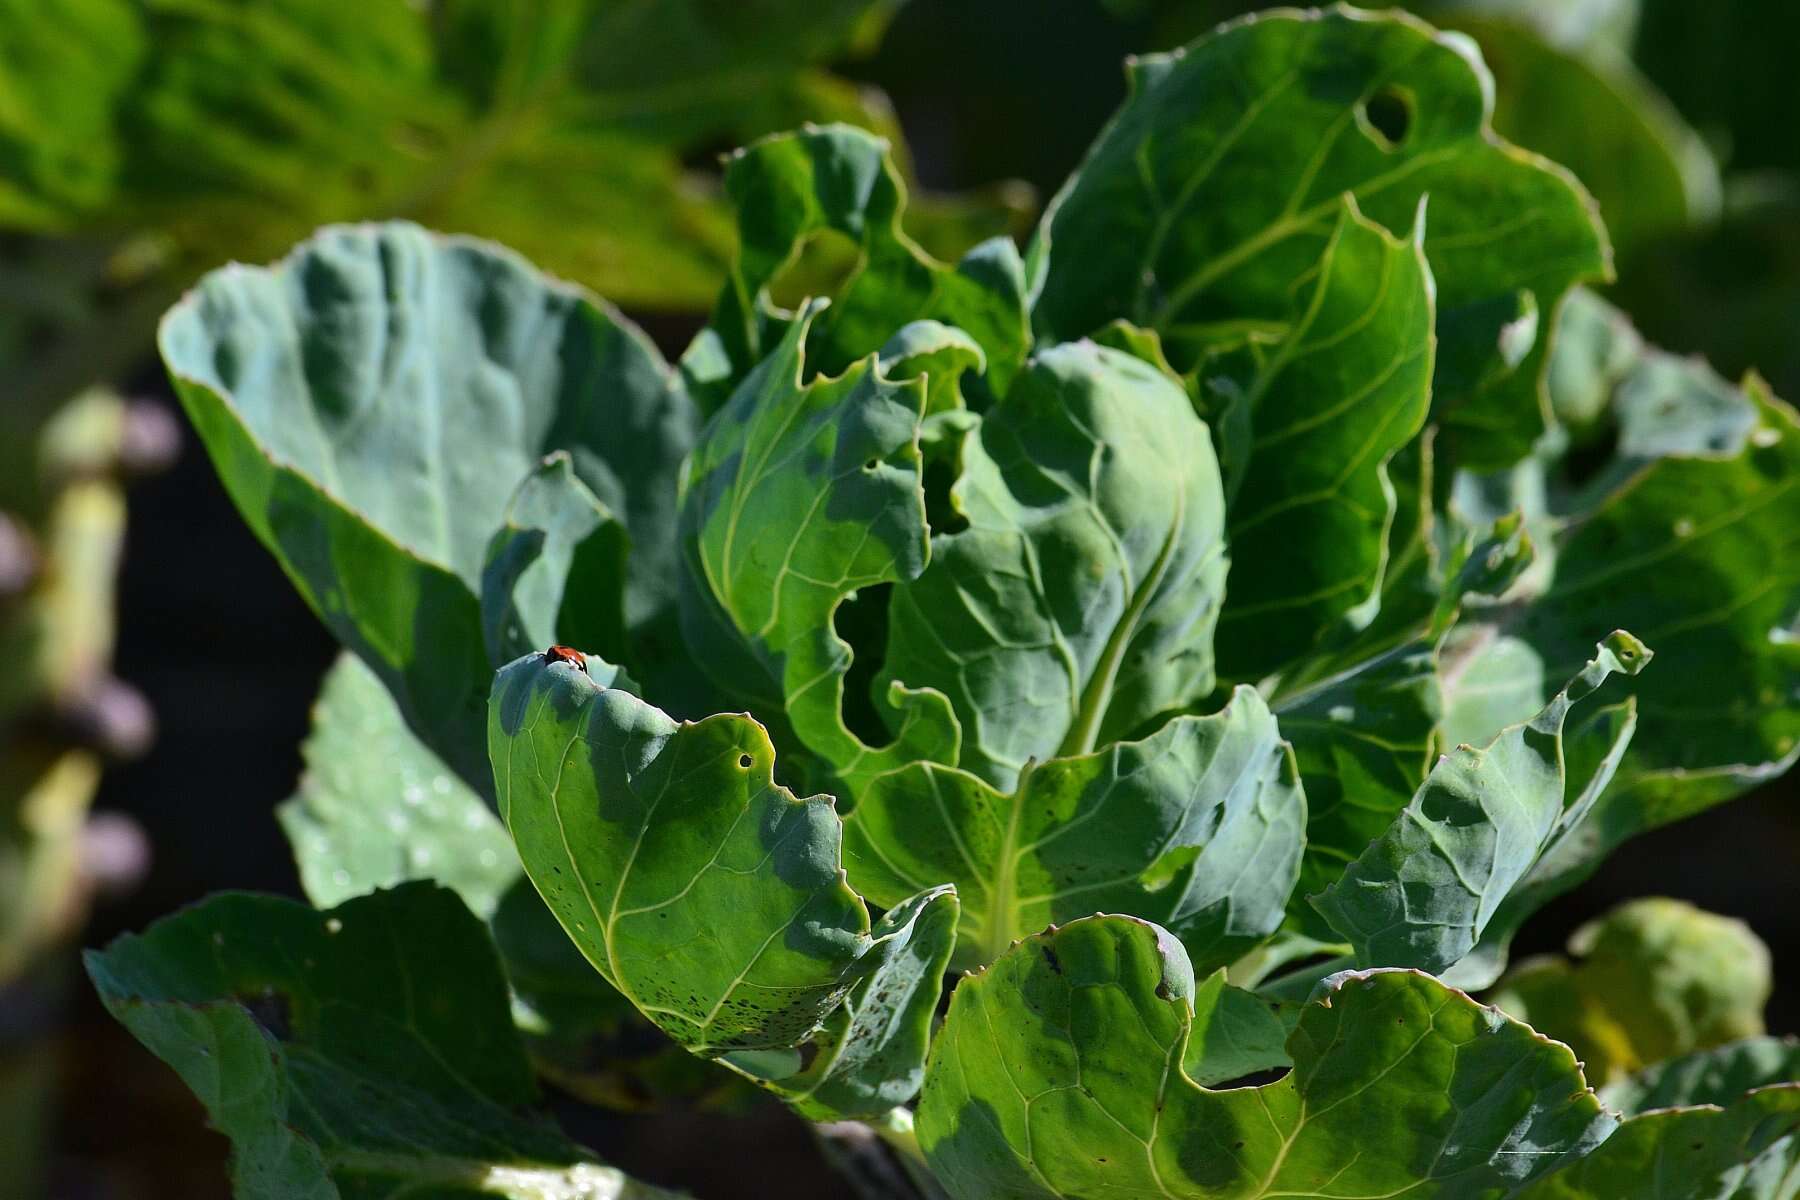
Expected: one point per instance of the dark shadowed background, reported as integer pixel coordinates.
(229, 657)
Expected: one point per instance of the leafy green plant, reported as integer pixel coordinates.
(1202, 633)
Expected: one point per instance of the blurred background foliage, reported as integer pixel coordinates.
(145, 141)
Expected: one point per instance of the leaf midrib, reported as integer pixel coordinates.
(1097, 696)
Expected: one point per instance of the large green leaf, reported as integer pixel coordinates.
(1695, 546)
(1218, 184)
(712, 897)
(1716, 1076)
(1653, 979)
(1649, 172)
(797, 495)
(795, 187)
(360, 1052)
(1746, 1151)
(1079, 602)
(1720, 1124)
(1197, 827)
(374, 402)
(1424, 892)
(1323, 410)
(1069, 1069)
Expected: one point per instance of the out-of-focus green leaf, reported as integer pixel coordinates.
(1079, 602)
(797, 495)
(1695, 548)
(374, 402)
(375, 808)
(1197, 827)
(358, 1052)
(234, 129)
(1716, 1076)
(1325, 406)
(794, 187)
(711, 897)
(61, 74)
(1069, 1069)
(1423, 893)
(1678, 1143)
(1747, 1151)
(1650, 173)
(1218, 184)
(1651, 980)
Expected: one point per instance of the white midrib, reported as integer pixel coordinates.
(1003, 899)
(1095, 698)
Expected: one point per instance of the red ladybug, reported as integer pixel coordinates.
(556, 654)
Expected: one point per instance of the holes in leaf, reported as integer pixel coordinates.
(270, 1009)
(871, 465)
(746, 761)
(1387, 117)
(1254, 1079)
(862, 620)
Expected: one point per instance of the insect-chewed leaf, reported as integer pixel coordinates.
(792, 186)
(1068, 1069)
(1218, 183)
(1079, 602)
(372, 404)
(1198, 827)
(710, 896)
(798, 495)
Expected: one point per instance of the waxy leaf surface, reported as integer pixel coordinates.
(1079, 601)
(1218, 184)
(798, 495)
(792, 187)
(373, 403)
(1424, 892)
(709, 896)
(1323, 410)
(1197, 827)
(1069, 1068)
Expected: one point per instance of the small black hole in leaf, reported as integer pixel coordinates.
(871, 464)
(1254, 1079)
(1388, 116)
(745, 761)
(270, 1009)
